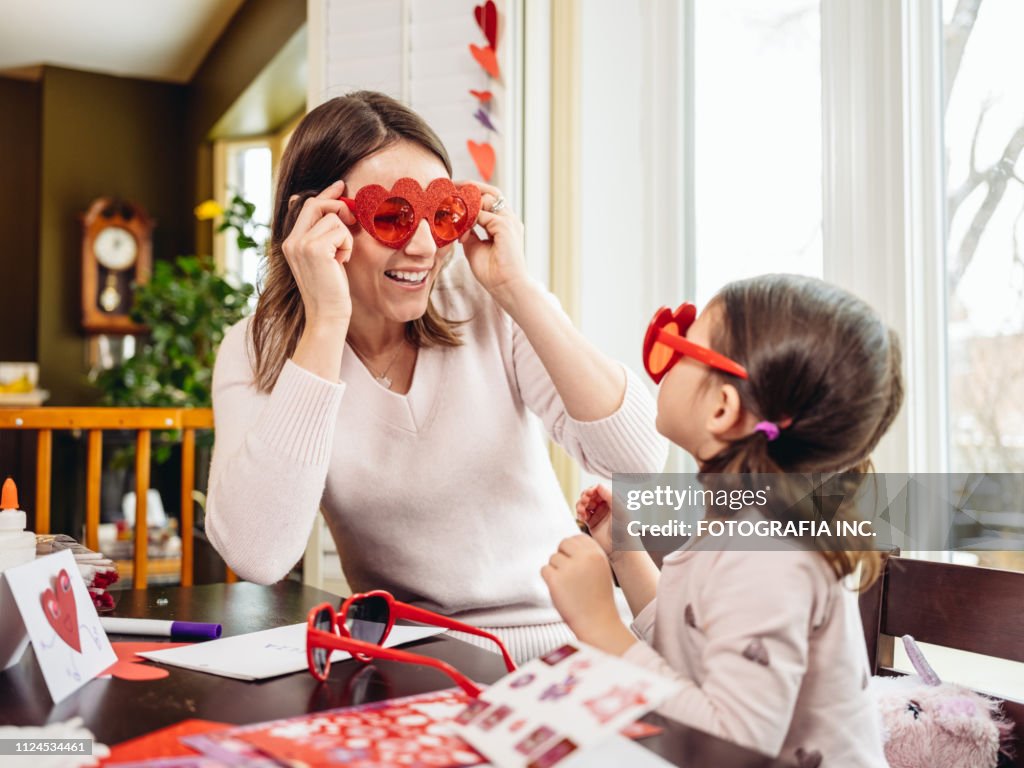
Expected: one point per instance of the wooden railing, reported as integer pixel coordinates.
(94, 421)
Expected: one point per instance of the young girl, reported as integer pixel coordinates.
(780, 374)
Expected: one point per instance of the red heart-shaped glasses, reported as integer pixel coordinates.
(391, 216)
(666, 344)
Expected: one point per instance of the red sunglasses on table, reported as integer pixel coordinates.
(391, 216)
(364, 621)
(665, 344)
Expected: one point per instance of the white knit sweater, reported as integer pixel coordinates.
(444, 496)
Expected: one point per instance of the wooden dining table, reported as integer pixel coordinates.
(116, 710)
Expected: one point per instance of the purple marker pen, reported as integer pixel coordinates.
(176, 630)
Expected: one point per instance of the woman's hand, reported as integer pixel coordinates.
(316, 250)
(498, 263)
(580, 582)
(594, 509)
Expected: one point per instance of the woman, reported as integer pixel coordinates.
(392, 389)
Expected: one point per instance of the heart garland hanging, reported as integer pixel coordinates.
(483, 154)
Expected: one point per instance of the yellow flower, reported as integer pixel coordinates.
(209, 209)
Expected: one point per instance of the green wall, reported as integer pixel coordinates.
(73, 136)
(19, 217)
(100, 135)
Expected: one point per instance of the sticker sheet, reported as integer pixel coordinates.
(563, 703)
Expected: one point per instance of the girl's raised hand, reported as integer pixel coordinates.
(316, 249)
(594, 509)
(498, 263)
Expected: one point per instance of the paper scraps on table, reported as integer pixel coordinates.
(161, 744)
(130, 666)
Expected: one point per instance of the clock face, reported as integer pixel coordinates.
(116, 248)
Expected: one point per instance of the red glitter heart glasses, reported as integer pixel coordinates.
(666, 344)
(391, 216)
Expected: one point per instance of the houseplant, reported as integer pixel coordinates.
(187, 306)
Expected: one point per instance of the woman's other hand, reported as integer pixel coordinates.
(498, 263)
(317, 248)
(594, 509)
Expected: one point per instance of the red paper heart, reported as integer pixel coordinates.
(60, 610)
(483, 96)
(487, 59)
(487, 19)
(483, 156)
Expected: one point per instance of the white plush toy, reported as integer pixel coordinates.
(928, 723)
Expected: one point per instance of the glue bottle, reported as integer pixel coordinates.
(17, 546)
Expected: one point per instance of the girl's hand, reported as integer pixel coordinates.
(580, 581)
(316, 249)
(498, 263)
(594, 509)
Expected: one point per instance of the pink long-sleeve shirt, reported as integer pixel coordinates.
(444, 496)
(769, 650)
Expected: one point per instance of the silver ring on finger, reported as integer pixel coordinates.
(498, 205)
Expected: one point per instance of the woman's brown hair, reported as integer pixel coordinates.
(825, 368)
(325, 146)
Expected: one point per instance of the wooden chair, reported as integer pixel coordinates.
(980, 610)
(94, 421)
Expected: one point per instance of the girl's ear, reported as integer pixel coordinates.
(728, 419)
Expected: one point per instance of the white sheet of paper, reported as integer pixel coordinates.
(269, 653)
(615, 753)
(567, 701)
(65, 668)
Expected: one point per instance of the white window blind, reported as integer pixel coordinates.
(418, 52)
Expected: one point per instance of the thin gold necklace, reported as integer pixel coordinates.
(381, 378)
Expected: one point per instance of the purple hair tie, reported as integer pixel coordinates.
(770, 429)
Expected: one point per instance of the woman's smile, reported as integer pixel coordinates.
(408, 279)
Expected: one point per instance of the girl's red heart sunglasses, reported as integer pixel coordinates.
(363, 623)
(391, 216)
(665, 344)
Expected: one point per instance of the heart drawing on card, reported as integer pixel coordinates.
(483, 156)
(60, 610)
(487, 19)
(487, 59)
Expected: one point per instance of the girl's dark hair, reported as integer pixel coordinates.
(325, 146)
(821, 361)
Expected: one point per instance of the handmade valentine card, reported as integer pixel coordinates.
(60, 618)
(566, 702)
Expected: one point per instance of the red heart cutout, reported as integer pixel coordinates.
(483, 96)
(483, 156)
(60, 610)
(487, 19)
(486, 58)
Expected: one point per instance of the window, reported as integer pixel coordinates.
(757, 134)
(984, 123)
(247, 171)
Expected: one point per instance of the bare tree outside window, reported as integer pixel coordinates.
(984, 124)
